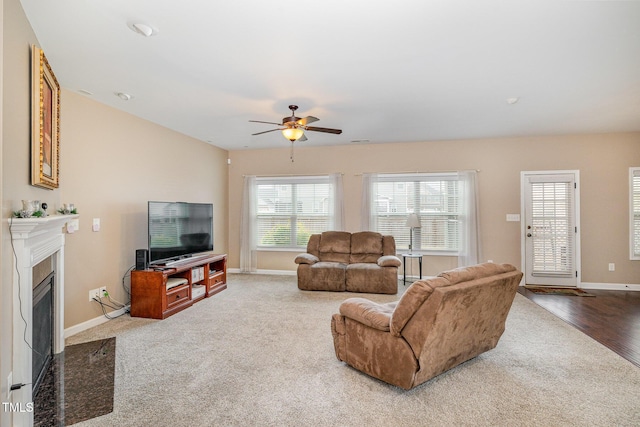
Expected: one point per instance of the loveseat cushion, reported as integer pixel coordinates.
(389, 261)
(366, 246)
(306, 258)
(335, 246)
(313, 246)
(413, 299)
(322, 276)
(464, 274)
(368, 312)
(370, 277)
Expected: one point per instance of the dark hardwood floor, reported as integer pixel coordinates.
(611, 317)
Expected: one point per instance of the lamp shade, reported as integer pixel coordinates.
(292, 134)
(413, 220)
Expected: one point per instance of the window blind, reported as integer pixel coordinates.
(434, 197)
(552, 228)
(290, 209)
(634, 213)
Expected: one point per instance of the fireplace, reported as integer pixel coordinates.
(35, 240)
(42, 330)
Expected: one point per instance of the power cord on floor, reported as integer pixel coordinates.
(127, 274)
(118, 306)
(115, 304)
(112, 301)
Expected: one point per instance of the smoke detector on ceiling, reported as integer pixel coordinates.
(143, 29)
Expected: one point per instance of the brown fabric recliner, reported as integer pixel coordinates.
(438, 324)
(355, 262)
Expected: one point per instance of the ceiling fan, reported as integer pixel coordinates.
(293, 127)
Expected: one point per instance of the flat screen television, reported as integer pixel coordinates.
(179, 230)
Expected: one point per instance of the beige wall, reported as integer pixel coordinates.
(17, 36)
(5, 295)
(113, 163)
(603, 162)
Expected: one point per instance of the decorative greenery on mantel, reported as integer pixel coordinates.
(63, 211)
(27, 214)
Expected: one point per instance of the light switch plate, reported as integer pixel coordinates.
(96, 224)
(513, 217)
(73, 226)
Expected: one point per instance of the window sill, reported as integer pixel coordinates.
(290, 249)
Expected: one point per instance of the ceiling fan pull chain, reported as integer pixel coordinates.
(291, 153)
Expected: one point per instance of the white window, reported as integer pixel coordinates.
(290, 209)
(634, 213)
(436, 198)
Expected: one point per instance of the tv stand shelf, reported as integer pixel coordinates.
(155, 296)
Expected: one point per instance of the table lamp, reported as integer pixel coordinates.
(413, 222)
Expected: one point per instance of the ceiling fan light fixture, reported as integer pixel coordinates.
(292, 134)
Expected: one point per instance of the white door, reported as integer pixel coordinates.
(551, 241)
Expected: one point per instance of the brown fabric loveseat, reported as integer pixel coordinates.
(438, 324)
(355, 262)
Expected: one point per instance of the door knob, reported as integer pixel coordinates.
(528, 234)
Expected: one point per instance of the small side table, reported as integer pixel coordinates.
(404, 265)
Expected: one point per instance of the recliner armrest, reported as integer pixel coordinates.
(389, 261)
(372, 314)
(306, 259)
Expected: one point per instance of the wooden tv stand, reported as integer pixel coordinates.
(149, 294)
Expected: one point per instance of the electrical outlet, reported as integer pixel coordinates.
(612, 266)
(97, 293)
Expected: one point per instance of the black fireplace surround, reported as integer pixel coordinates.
(42, 332)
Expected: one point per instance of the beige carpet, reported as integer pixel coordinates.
(261, 354)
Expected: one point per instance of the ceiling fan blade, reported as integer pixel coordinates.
(266, 131)
(302, 138)
(270, 123)
(326, 130)
(306, 120)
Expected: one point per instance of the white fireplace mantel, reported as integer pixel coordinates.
(34, 240)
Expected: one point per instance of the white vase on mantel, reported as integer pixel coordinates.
(30, 206)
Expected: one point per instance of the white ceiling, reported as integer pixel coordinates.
(383, 71)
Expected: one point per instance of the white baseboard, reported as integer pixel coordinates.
(93, 322)
(610, 286)
(260, 271)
